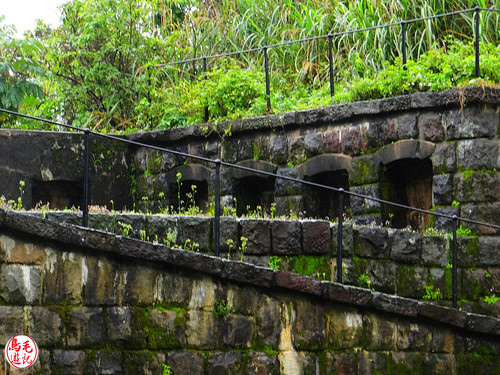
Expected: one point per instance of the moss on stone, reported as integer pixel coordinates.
(309, 265)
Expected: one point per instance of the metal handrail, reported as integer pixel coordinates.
(330, 36)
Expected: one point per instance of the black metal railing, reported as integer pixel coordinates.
(403, 24)
(219, 163)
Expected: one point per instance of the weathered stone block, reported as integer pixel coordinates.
(141, 283)
(435, 251)
(405, 246)
(202, 330)
(64, 277)
(228, 232)
(12, 319)
(127, 327)
(477, 154)
(70, 362)
(20, 284)
(102, 283)
(381, 334)
(472, 122)
(258, 235)
(85, 327)
(431, 126)
(413, 337)
(341, 363)
(174, 288)
(467, 251)
(331, 141)
(315, 236)
(24, 252)
(238, 331)
(407, 126)
(371, 242)
(478, 187)
(196, 230)
(143, 363)
(309, 330)
(162, 228)
(442, 188)
(286, 237)
(106, 363)
(352, 141)
(46, 326)
(345, 329)
(278, 149)
(444, 159)
(167, 329)
(489, 251)
(313, 143)
(105, 222)
(262, 364)
(411, 281)
(226, 363)
(382, 276)
(487, 213)
(186, 363)
(269, 324)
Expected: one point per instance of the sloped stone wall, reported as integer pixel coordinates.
(100, 303)
(395, 261)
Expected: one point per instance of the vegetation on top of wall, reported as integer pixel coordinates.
(99, 68)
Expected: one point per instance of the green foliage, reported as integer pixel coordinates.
(20, 73)
(274, 262)
(166, 370)
(464, 232)
(491, 299)
(432, 294)
(243, 246)
(365, 281)
(125, 228)
(221, 308)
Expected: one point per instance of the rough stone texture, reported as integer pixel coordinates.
(69, 361)
(435, 251)
(12, 322)
(373, 242)
(262, 364)
(258, 234)
(478, 154)
(479, 187)
(406, 246)
(442, 188)
(20, 284)
(286, 237)
(315, 237)
(85, 327)
(196, 230)
(186, 363)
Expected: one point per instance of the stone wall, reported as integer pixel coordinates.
(436, 151)
(395, 261)
(100, 303)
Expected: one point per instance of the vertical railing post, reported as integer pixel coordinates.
(403, 43)
(339, 235)
(268, 85)
(205, 77)
(454, 264)
(217, 208)
(85, 208)
(330, 57)
(476, 39)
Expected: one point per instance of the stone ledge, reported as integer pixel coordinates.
(245, 273)
(334, 113)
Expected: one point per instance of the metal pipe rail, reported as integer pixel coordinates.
(403, 24)
(219, 163)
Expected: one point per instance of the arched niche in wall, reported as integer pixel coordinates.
(253, 189)
(330, 170)
(195, 182)
(405, 175)
(57, 193)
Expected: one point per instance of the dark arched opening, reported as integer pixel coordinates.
(324, 203)
(407, 182)
(58, 194)
(253, 191)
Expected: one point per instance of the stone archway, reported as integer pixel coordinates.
(329, 170)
